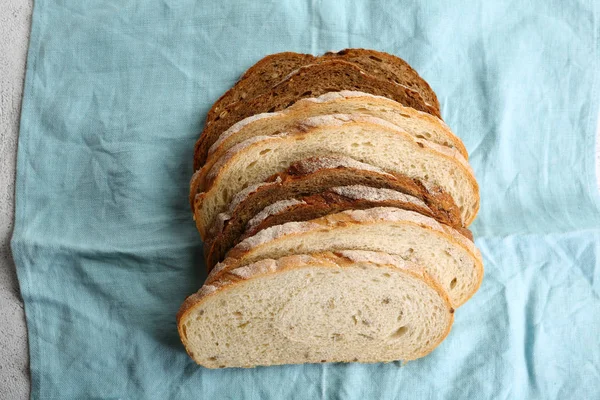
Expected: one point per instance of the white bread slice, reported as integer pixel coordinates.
(449, 257)
(416, 123)
(367, 139)
(350, 306)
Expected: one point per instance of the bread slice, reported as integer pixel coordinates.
(269, 71)
(366, 139)
(350, 306)
(304, 208)
(448, 256)
(308, 81)
(334, 200)
(417, 124)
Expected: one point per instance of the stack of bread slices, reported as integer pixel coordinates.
(333, 203)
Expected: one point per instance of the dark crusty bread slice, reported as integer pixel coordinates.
(308, 81)
(273, 68)
(334, 200)
(307, 177)
(348, 306)
(448, 256)
(304, 208)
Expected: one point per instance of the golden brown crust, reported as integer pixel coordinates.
(308, 81)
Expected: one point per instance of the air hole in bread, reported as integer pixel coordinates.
(375, 58)
(213, 358)
(243, 325)
(252, 164)
(265, 151)
(237, 314)
(453, 283)
(404, 115)
(387, 275)
(400, 332)
(184, 331)
(355, 144)
(307, 93)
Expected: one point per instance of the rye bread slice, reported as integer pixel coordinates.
(308, 81)
(273, 68)
(305, 208)
(311, 176)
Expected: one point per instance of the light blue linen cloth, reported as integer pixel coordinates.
(106, 249)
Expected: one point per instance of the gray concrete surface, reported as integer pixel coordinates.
(15, 19)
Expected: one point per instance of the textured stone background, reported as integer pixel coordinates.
(15, 19)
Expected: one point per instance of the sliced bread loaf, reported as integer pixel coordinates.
(418, 124)
(304, 208)
(344, 307)
(366, 139)
(452, 259)
(308, 81)
(269, 71)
